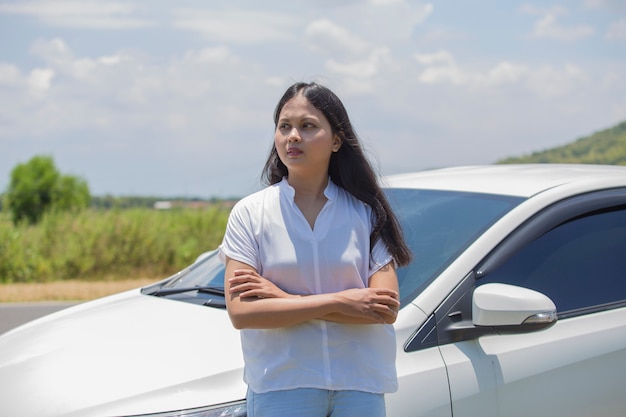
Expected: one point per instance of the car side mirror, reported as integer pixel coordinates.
(512, 309)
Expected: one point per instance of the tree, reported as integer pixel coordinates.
(70, 193)
(37, 187)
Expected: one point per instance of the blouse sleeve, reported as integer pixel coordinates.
(380, 257)
(239, 242)
(379, 254)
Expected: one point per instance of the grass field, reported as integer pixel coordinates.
(93, 253)
(102, 246)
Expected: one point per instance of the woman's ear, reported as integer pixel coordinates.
(336, 143)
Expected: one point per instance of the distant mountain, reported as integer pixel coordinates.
(607, 147)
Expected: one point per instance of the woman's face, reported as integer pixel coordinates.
(304, 139)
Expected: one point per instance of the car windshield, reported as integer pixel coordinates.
(206, 272)
(437, 225)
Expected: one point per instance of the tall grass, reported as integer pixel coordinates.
(107, 244)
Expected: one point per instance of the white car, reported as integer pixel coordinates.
(515, 305)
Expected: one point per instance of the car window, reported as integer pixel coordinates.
(580, 264)
(438, 226)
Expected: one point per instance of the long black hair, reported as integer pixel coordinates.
(349, 168)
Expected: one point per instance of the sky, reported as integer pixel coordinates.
(176, 98)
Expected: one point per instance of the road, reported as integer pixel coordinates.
(14, 314)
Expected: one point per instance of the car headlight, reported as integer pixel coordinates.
(234, 409)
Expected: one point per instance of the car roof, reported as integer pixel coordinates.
(523, 180)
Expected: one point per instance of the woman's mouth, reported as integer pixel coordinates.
(294, 152)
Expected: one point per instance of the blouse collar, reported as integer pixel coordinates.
(330, 192)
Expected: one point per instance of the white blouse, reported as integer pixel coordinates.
(267, 231)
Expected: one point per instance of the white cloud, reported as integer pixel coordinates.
(507, 73)
(385, 2)
(110, 60)
(177, 121)
(52, 49)
(238, 26)
(388, 20)
(217, 54)
(330, 38)
(449, 73)
(34, 84)
(544, 81)
(56, 54)
(617, 31)
(548, 25)
(83, 14)
(40, 79)
(548, 81)
(439, 35)
(614, 6)
(436, 58)
(360, 70)
(10, 75)
(124, 90)
(275, 81)
(441, 68)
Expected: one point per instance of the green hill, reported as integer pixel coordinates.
(607, 147)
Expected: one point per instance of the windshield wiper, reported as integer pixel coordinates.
(170, 291)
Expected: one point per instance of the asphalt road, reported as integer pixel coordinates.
(15, 314)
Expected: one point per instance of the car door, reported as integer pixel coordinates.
(423, 383)
(575, 253)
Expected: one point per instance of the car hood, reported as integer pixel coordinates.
(106, 357)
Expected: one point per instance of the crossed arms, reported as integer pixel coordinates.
(254, 302)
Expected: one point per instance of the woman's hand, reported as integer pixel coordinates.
(248, 284)
(378, 305)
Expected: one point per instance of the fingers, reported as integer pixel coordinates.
(386, 291)
(381, 314)
(248, 289)
(245, 290)
(243, 276)
(382, 304)
(384, 296)
(389, 300)
(249, 284)
(245, 282)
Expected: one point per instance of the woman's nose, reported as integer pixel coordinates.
(294, 135)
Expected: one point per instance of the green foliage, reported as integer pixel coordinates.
(37, 187)
(97, 244)
(30, 189)
(606, 147)
(70, 193)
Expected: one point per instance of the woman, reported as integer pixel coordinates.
(310, 269)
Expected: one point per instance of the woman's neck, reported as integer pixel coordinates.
(309, 197)
(308, 188)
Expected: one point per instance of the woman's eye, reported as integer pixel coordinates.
(308, 125)
(283, 126)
